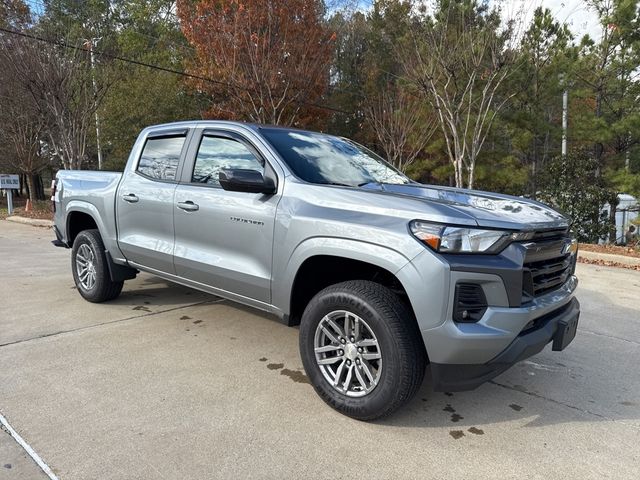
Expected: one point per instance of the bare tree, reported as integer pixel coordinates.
(59, 81)
(21, 130)
(20, 123)
(459, 62)
(400, 124)
(21, 135)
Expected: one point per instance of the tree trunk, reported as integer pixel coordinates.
(39, 187)
(23, 184)
(458, 165)
(598, 146)
(534, 179)
(31, 188)
(534, 167)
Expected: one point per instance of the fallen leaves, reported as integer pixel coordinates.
(607, 263)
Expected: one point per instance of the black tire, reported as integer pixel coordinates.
(103, 289)
(403, 355)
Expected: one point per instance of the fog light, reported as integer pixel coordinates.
(470, 303)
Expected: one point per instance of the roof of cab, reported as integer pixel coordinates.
(198, 123)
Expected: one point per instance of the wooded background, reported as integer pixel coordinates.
(451, 92)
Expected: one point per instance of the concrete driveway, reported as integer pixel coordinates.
(167, 382)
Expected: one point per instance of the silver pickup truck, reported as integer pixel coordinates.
(385, 276)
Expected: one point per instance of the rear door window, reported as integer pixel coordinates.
(160, 157)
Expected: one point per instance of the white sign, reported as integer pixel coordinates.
(9, 181)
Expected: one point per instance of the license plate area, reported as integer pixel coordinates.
(566, 332)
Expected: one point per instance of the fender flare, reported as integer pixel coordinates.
(374, 254)
(76, 206)
(117, 272)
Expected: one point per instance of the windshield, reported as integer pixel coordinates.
(323, 159)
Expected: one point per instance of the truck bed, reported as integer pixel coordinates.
(90, 192)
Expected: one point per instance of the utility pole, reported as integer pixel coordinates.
(565, 107)
(627, 156)
(95, 98)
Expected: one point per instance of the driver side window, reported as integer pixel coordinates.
(216, 153)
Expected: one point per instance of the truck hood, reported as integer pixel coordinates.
(487, 209)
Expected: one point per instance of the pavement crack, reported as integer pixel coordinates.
(563, 404)
(542, 397)
(72, 330)
(606, 335)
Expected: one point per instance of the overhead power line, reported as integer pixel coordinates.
(63, 44)
(192, 50)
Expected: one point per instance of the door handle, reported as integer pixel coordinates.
(130, 197)
(188, 206)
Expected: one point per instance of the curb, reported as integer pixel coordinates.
(609, 257)
(36, 222)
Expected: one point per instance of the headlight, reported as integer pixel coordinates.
(464, 239)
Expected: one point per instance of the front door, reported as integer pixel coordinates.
(224, 239)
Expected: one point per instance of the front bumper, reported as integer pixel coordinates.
(547, 328)
(480, 342)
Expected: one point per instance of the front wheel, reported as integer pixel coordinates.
(361, 349)
(90, 269)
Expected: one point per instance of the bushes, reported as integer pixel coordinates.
(573, 185)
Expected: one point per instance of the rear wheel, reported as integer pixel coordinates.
(90, 269)
(361, 349)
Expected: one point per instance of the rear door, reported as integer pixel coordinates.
(145, 201)
(224, 239)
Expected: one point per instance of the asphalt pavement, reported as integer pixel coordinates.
(170, 383)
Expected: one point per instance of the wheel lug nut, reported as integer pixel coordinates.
(352, 339)
(359, 349)
(342, 340)
(340, 352)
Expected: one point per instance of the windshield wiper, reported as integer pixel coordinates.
(337, 183)
(382, 184)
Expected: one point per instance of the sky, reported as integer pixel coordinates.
(580, 18)
(576, 13)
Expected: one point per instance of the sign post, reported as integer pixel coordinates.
(9, 183)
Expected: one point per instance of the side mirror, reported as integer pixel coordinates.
(245, 180)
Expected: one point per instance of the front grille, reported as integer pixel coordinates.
(546, 275)
(552, 234)
(546, 266)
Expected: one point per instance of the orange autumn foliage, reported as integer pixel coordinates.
(273, 57)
